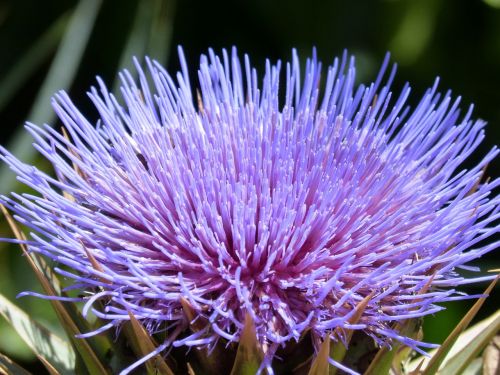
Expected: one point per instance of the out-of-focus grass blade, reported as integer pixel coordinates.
(443, 351)
(470, 344)
(161, 30)
(137, 40)
(493, 3)
(320, 364)
(9, 367)
(60, 76)
(70, 318)
(150, 34)
(249, 355)
(67, 60)
(143, 344)
(338, 350)
(38, 52)
(415, 30)
(49, 348)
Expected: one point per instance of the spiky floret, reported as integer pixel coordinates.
(291, 212)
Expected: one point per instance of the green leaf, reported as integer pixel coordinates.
(320, 365)
(249, 355)
(475, 368)
(60, 76)
(491, 357)
(418, 368)
(470, 344)
(440, 355)
(48, 347)
(9, 367)
(467, 347)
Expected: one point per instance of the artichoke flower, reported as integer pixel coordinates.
(254, 226)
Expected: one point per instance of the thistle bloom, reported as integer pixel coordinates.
(286, 202)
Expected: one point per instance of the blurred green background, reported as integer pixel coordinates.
(50, 45)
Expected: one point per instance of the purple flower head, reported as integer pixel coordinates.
(278, 199)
